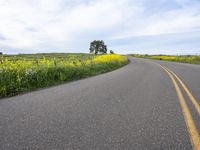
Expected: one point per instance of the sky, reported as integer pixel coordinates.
(126, 26)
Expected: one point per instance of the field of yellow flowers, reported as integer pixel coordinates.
(21, 73)
(192, 59)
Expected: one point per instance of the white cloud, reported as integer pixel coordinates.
(51, 22)
(179, 20)
(63, 24)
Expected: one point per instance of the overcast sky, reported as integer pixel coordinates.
(126, 26)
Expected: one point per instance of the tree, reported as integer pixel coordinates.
(98, 46)
(112, 52)
(1, 53)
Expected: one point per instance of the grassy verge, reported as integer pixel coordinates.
(21, 73)
(192, 59)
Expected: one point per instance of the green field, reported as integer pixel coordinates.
(192, 59)
(25, 72)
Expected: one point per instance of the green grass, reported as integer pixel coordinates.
(25, 72)
(192, 59)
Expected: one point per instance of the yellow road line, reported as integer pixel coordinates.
(192, 130)
(193, 100)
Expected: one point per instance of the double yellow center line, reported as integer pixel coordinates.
(191, 127)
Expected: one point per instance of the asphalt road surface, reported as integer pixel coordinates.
(132, 108)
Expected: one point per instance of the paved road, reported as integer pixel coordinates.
(135, 107)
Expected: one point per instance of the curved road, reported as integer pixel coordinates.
(135, 107)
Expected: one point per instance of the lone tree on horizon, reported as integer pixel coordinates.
(98, 46)
(112, 52)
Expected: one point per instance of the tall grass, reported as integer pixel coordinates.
(23, 73)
